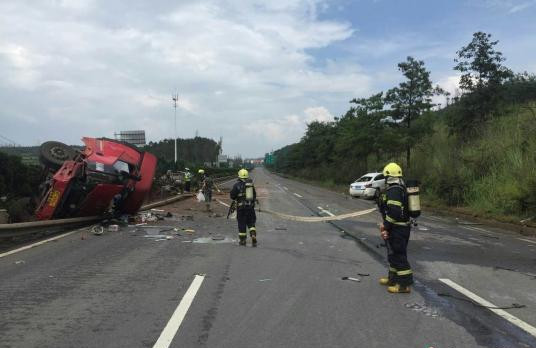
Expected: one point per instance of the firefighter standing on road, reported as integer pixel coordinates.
(244, 194)
(395, 230)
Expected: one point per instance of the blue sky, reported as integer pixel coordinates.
(254, 72)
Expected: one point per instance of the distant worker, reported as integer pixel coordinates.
(395, 230)
(243, 192)
(187, 179)
(207, 186)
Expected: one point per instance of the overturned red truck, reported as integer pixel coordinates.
(106, 173)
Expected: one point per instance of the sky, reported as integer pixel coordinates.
(253, 72)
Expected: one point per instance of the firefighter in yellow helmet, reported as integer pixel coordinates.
(243, 192)
(395, 230)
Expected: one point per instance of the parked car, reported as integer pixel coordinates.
(367, 186)
(86, 182)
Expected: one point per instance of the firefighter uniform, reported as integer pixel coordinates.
(394, 208)
(243, 192)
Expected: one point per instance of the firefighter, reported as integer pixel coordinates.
(187, 179)
(243, 192)
(395, 230)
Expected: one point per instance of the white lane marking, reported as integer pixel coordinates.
(297, 195)
(223, 203)
(325, 211)
(528, 240)
(500, 312)
(178, 316)
(38, 243)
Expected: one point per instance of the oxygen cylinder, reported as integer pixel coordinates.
(414, 201)
(249, 191)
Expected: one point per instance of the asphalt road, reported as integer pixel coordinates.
(132, 288)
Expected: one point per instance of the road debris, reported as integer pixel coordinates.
(352, 279)
(280, 228)
(113, 228)
(265, 280)
(19, 262)
(422, 308)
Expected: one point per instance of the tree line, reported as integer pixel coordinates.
(450, 148)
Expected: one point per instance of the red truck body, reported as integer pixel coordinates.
(87, 185)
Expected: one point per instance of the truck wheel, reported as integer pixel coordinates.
(52, 154)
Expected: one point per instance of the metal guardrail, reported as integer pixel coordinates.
(55, 226)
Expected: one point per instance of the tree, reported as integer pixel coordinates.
(483, 75)
(410, 100)
(480, 64)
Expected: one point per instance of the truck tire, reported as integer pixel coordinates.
(52, 154)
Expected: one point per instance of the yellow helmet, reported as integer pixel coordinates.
(243, 174)
(201, 171)
(392, 169)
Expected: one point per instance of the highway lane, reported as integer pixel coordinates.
(121, 289)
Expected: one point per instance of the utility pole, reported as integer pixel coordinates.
(175, 98)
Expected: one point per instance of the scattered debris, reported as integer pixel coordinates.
(18, 262)
(423, 308)
(351, 278)
(113, 228)
(211, 240)
(190, 231)
(218, 237)
(280, 228)
(422, 228)
(265, 280)
(363, 274)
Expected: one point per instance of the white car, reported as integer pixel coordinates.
(367, 186)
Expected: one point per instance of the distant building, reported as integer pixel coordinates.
(135, 137)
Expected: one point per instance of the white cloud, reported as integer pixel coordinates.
(290, 128)
(97, 67)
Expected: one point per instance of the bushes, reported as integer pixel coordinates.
(494, 173)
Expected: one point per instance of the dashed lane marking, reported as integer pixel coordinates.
(38, 243)
(180, 312)
(297, 195)
(325, 211)
(500, 312)
(528, 240)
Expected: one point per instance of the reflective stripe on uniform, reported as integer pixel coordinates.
(405, 272)
(252, 229)
(391, 269)
(393, 221)
(393, 202)
(242, 234)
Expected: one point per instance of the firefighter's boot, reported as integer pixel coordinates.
(399, 289)
(242, 239)
(253, 234)
(384, 281)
